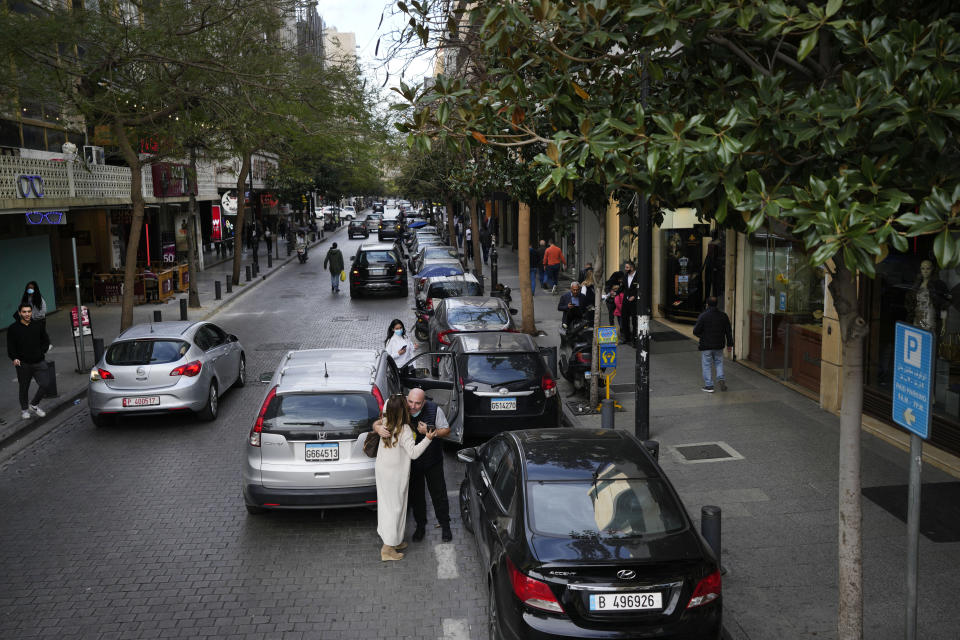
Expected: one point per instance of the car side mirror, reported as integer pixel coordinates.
(513, 312)
(467, 455)
(233, 338)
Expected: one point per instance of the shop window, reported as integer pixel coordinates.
(33, 137)
(55, 139)
(9, 133)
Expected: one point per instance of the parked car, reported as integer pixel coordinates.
(348, 212)
(436, 288)
(432, 252)
(581, 534)
(357, 229)
(165, 367)
(305, 449)
(377, 268)
(389, 229)
(373, 222)
(468, 314)
(422, 241)
(436, 268)
(503, 383)
(378, 207)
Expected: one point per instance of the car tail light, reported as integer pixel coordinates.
(422, 282)
(430, 304)
(356, 272)
(190, 369)
(442, 336)
(582, 357)
(100, 374)
(532, 593)
(707, 590)
(379, 397)
(258, 425)
(549, 386)
(399, 270)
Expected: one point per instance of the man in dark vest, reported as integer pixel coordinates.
(428, 468)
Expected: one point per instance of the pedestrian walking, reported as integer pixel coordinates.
(27, 344)
(468, 239)
(536, 267)
(268, 239)
(588, 287)
(335, 261)
(713, 329)
(626, 281)
(485, 242)
(392, 470)
(398, 344)
(552, 260)
(32, 296)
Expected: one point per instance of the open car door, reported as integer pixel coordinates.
(436, 374)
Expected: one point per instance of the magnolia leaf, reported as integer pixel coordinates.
(580, 92)
(832, 7)
(880, 257)
(479, 137)
(553, 153)
(807, 44)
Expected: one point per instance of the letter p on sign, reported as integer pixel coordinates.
(911, 349)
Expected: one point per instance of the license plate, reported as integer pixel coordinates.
(378, 272)
(326, 452)
(503, 404)
(625, 601)
(141, 402)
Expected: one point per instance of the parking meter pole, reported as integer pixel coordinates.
(229, 283)
(710, 530)
(183, 308)
(607, 413)
(913, 533)
(76, 279)
(217, 293)
(247, 273)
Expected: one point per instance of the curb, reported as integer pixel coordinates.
(8, 444)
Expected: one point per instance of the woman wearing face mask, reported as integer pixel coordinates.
(32, 297)
(398, 344)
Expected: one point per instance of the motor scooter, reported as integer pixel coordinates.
(421, 329)
(302, 252)
(576, 349)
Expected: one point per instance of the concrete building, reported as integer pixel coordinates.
(340, 47)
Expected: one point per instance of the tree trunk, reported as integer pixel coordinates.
(597, 315)
(523, 255)
(238, 230)
(853, 329)
(193, 295)
(475, 232)
(451, 228)
(136, 223)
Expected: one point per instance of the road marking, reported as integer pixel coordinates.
(456, 629)
(446, 562)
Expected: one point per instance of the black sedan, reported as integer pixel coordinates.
(581, 535)
(357, 229)
(377, 268)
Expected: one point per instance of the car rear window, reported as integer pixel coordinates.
(466, 315)
(501, 368)
(348, 414)
(131, 352)
(453, 289)
(440, 252)
(378, 257)
(612, 506)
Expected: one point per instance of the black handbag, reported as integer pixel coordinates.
(371, 444)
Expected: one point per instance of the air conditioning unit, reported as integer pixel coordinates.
(93, 155)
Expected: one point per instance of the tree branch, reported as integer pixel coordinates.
(740, 53)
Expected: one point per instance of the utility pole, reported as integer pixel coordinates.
(644, 306)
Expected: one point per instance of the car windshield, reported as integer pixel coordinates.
(326, 412)
(440, 252)
(453, 289)
(502, 368)
(378, 257)
(137, 352)
(612, 506)
(471, 314)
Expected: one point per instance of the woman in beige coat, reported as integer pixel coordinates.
(393, 475)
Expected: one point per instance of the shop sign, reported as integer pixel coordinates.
(216, 224)
(912, 378)
(46, 217)
(171, 179)
(269, 200)
(83, 321)
(29, 186)
(169, 251)
(229, 203)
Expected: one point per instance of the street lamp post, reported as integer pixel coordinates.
(644, 307)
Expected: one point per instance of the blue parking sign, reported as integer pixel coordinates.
(913, 379)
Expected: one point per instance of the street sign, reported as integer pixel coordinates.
(608, 356)
(607, 335)
(912, 379)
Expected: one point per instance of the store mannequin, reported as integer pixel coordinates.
(928, 303)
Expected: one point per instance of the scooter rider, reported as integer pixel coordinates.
(572, 304)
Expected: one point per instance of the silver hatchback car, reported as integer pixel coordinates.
(165, 367)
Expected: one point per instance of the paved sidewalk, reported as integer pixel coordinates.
(72, 384)
(778, 492)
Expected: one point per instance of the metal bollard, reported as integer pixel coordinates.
(256, 269)
(607, 411)
(52, 390)
(183, 308)
(710, 530)
(216, 290)
(269, 260)
(248, 273)
(97, 350)
(229, 283)
(653, 448)
(157, 316)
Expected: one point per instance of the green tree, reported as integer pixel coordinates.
(836, 119)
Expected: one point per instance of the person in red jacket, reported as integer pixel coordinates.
(552, 261)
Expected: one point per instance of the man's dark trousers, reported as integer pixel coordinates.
(432, 476)
(38, 371)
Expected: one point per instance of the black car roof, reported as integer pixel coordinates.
(582, 454)
(493, 341)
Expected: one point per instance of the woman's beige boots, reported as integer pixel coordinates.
(389, 553)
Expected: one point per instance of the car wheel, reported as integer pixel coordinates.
(255, 511)
(421, 334)
(100, 420)
(493, 615)
(209, 412)
(241, 372)
(465, 506)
